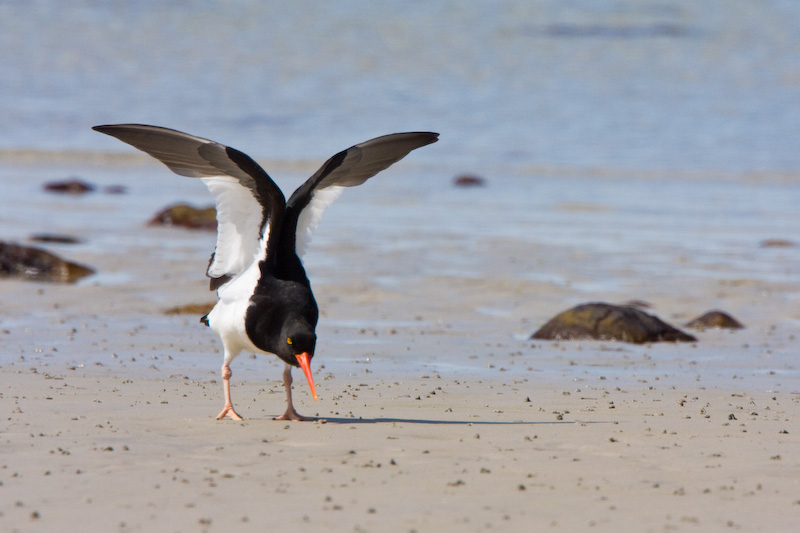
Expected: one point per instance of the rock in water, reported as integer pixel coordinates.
(35, 264)
(604, 321)
(714, 319)
(468, 180)
(187, 216)
(70, 186)
(55, 238)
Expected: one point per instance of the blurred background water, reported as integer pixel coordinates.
(672, 84)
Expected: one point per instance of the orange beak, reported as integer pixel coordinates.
(303, 360)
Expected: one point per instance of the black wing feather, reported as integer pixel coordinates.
(348, 168)
(197, 157)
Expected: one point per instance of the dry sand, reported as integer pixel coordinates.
(102, 452)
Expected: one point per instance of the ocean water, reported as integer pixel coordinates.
(656, 140)
(674, 84)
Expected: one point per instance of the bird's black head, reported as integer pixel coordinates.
(297, 341)
(298, 346)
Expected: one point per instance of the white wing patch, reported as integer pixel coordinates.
(239, 218)
(311, 215)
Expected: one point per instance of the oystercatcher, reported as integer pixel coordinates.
(265, 300)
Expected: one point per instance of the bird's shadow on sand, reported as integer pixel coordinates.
(352, 421)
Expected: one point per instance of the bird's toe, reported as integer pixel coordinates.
(291, 414)
(228, 412)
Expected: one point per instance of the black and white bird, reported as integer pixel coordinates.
(265, 300)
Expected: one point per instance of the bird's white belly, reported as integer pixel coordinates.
(228, 316)
(227, 321)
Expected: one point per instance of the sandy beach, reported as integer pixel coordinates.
(435, 411)
(102, 452)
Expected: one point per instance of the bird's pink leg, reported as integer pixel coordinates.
(227, 411)
(290, 413)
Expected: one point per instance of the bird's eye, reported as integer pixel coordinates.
(288, 340)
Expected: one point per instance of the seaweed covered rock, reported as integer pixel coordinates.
(191, 309)
(187, 216)
(714, 319)
(605, 321)
(35, 264)
(778, 243)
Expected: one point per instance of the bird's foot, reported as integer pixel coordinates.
(291, 414)
(228, 412)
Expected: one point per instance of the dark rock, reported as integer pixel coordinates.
(468, 180)
(34, 264)
(57, 239)
(186, 216)
(714, 319)
(609, 322)
(71, 186)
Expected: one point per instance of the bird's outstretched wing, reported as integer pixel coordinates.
(348, 168)
(248, 201)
